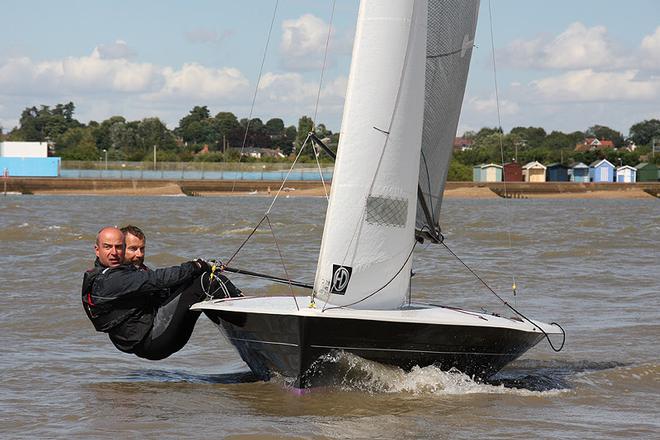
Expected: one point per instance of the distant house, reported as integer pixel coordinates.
(647, 172)
(462, 144)
(594, 144)
(602, 171)
(626, 174)
(489, 172)
(580, 173)
(534, 172)
(556, 172)
(513, 172)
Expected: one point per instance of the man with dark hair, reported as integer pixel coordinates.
(146, 312)
(135, 246)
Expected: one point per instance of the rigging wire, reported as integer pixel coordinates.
(318, 95)
(302, 148)
(286, 273)
(507, 304)
(256, 87)
(501, 135)
(325, 58)
(271, 205)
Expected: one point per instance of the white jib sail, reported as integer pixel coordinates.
(368, 238)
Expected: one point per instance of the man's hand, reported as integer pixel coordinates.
(203, 265)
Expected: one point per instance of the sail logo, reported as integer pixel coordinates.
(341, 275)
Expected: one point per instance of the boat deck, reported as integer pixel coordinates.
(415, 313)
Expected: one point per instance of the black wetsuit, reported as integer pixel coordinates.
(146, 312)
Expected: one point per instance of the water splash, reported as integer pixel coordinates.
(352, 373)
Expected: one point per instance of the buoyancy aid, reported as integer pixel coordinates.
(107, 314)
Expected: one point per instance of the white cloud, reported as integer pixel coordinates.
(650, 50)
(91, 74)
(588, 85)
(303, 43)
(489, 105)
(289, 93)
(117, 50)
(578, 47)
(194, 81)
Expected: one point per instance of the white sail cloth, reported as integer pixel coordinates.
(366, 250)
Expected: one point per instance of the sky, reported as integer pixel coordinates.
(562, 65)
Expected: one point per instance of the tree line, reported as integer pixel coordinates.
(223, 135)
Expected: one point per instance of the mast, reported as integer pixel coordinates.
(368, 237)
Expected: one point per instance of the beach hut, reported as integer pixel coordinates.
(602, 171)
(647, 172)
(556, 172)
(626, 174)
(534, 172)
(491, 172)
(580, 173)
(513, 172)
(487, 172)
(476, 173)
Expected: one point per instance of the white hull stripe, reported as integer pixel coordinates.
(333, 347)
(407, 351)
(265, 342)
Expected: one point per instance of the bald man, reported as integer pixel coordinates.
(144, 312)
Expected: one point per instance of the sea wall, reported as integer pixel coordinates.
(201, 187)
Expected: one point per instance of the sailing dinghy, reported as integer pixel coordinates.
(408, 73)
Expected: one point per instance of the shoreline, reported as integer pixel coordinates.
(207, 188)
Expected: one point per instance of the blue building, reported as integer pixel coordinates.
(30, 166)
(602, 171)
(556, 172)
(580, 173)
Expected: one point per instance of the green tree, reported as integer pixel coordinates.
(101, 132)
(529, 136)
(78, 144)
(459, 172)
(228, 129)
(305, 125)
(643, 133)
(275, 127)
(152, 132)
(197, 127)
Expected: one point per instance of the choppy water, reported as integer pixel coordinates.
(592, 265)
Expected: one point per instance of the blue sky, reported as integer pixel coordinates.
(563, 65)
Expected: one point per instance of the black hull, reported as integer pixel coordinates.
(289, 344)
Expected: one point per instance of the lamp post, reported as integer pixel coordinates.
(154, 157)
(106, 158)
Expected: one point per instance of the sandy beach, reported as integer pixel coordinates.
(468, 192)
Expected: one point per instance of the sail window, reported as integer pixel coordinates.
(387, 211)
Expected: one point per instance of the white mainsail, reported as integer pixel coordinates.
(366, 250)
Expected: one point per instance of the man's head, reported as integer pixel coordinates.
(135, 245)
(109, 246)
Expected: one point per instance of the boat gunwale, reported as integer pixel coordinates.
(486, 320)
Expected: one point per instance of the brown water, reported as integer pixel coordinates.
(592, 265)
